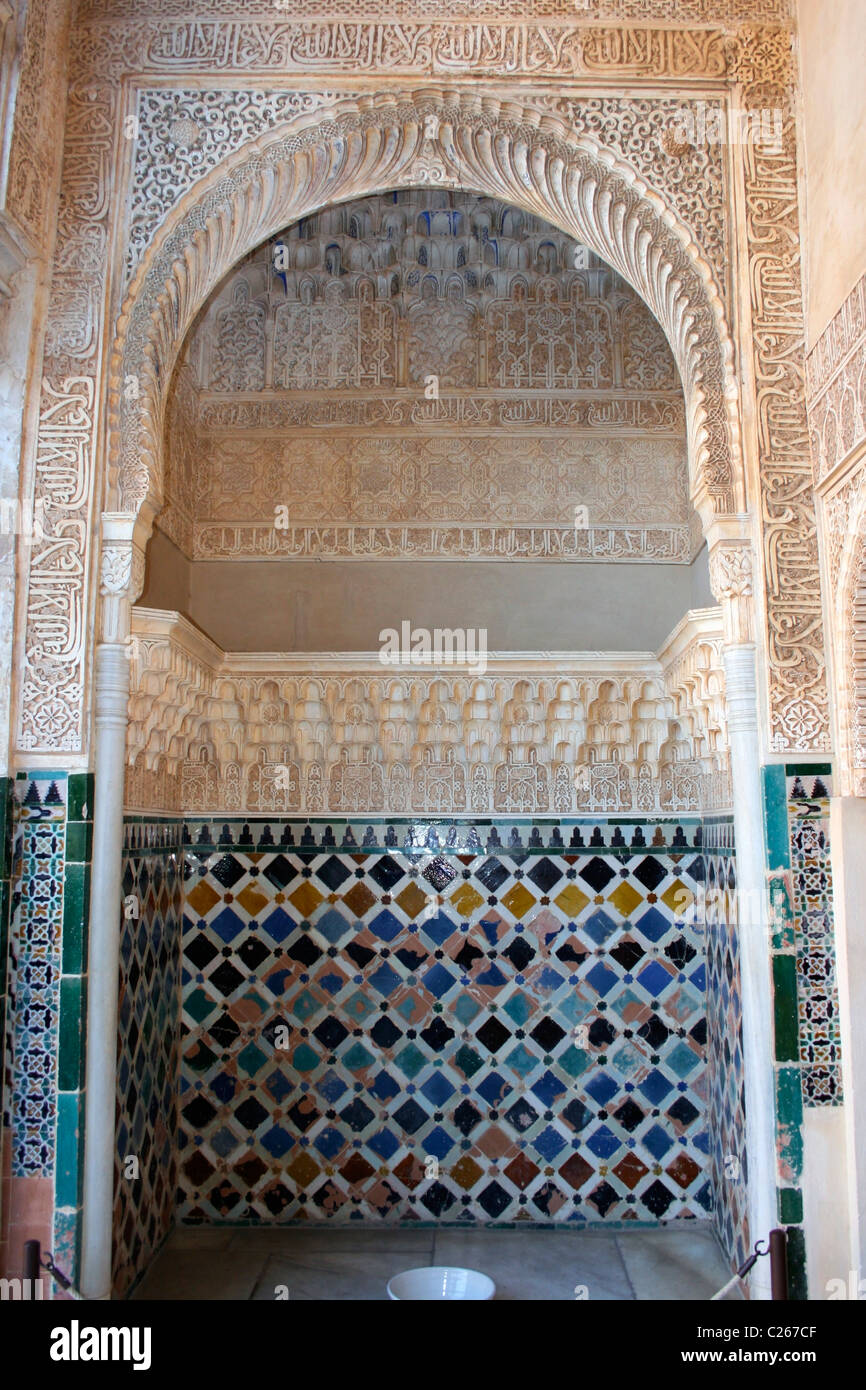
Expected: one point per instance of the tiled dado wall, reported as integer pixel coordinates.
(148, 1051)
(523, 1037)
(808, 1060)
(47, 894)
(725, 1070)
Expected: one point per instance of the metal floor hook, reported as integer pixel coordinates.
(40, 1260)
(747, 1265)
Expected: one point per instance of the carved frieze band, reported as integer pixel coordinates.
(638, 544)
(799, 710)
(206, 734)
(589, 11)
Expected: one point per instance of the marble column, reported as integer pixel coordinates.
(731, 581)
(121, 575)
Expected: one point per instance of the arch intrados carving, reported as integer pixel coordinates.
(491, 147)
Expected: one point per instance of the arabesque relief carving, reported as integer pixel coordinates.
(799, 710)
(836, 398)
(524, 368)
(103, 50)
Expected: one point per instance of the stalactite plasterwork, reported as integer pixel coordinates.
(207, 735)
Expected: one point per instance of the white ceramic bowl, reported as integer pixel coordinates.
(441, 1282)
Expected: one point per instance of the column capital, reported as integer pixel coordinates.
(121, 570)
(732, 582)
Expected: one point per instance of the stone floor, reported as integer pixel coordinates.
(225, 1263)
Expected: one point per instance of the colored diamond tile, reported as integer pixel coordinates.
(625, 898)
(678, 898)
(251, 900)
(465, 900)
(332, 925)
(386, 926)
(518, 900)
(466, 1173)
(410, 1060)
(333, 872)
(411, 900)
(599, 926)
(359, 899)
(521, 1061)
(439, 873)
(597, 873)
(650, 872)
(202, 897)
(227, 924)
(386, 872)
(654, 978)
(652, 924)
(438, 980)
(571, 900)
(305, 898)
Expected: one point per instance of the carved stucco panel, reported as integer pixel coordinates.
(205, 732)
(103, 51)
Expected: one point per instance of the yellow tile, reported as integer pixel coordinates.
(466, 1172)
(571, 901)
(306, 898)
(518, 900)
(202, 898)
(625, 898)
(466, 899)
(411, 900)
(678, 898)
(251, 900)
(304, 1169)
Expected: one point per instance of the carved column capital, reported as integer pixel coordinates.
(732, 582)
(121, 573)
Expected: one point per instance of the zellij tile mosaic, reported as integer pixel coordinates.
(366, 1039)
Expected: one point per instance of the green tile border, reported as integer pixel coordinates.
(71, 1045)
(785, 1013)
(79, 841)
(80, 796)
(76, 910)
(70, 1127)
(798, 1285)
(778, 840)
(790, 1206)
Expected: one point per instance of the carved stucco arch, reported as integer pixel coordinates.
(373, 144)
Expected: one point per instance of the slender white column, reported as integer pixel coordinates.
(112, 698)
(754, 941)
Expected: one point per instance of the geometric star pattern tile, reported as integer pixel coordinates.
(149, 1048)
(34, 966)
(820, 1041)
(525, 1040)
(716, 904)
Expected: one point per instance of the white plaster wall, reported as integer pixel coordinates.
(343, 606)
(825, 1197)
(832, 49)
